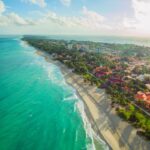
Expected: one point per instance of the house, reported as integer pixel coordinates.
(148, 86)
(144, 77)
(101, 71)
(143, 97)
(126, 89)
(116, 79)
(70, 46)
(82, 47)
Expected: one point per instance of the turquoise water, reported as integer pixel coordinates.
(38, 110)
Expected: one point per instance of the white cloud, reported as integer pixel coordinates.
(140, 22)
(89, 21)
(128, 23)
(141, 9)
(40, 3)
(66, 2)
(2, 6)
(142, 14)
(93, 19)
(14, 19)
(93, 16)
(3, 21)
(17, 20)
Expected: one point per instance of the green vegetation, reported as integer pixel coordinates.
(136, 118)
(84, 62)
(142, 70)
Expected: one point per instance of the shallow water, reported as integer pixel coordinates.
(38, 110)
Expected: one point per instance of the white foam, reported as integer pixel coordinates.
(72, 97)
(79, 105)
(76, 139)
(58, 79)
(87, 126)
(64, 130)
(16, 39)
(89, 131)
(28, 49)
(24, 44)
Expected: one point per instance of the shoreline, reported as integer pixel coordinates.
(65, 71)
(89, 114)
(118, 134)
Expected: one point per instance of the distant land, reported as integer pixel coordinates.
(142, 41)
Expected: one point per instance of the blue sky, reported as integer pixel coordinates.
(101, 6)
(96, 17)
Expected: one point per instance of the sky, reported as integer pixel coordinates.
(75, 17)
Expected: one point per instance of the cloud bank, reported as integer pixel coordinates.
(12, 18)
(2, 7)
(88, 22)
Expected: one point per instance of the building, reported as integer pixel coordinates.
(116, 79)
(83, 47)
(101, 71)
(143, 97)
(70, 46)
(148, 86)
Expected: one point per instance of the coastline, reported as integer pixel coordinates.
(118, 134)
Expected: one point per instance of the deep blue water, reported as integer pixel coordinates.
(38, 110)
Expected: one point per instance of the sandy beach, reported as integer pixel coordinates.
(118, 134)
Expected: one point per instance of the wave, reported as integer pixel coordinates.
(23, 44)
(89, 131)
(56, 77)
(72, 97)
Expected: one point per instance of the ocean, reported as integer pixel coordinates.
(38, 110)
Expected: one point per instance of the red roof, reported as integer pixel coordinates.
(126, 88)
(101, 71)
(145, 97)
(102, 68)
(116, 79)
